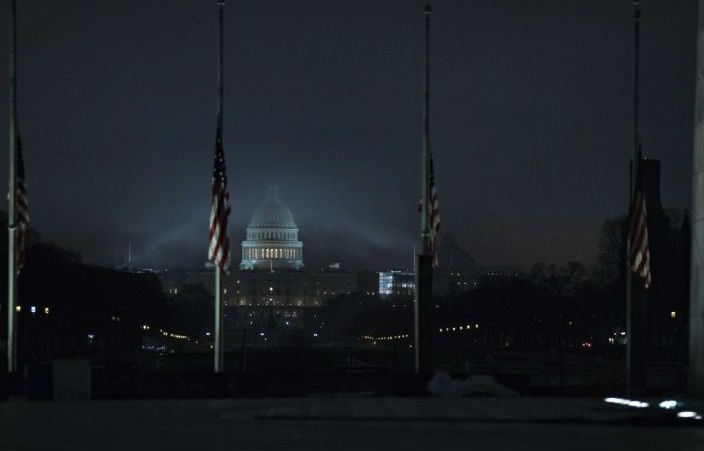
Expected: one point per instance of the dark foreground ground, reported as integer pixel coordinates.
(342, 423)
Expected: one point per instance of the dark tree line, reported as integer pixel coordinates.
(68, 307)
(551, 306)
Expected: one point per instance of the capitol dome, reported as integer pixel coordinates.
(272, 237)
(272, 213)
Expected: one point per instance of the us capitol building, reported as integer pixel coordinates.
(271, 272)
(272, 238)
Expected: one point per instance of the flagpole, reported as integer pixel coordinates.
(627, 261)
(422, 326)
(633, 175)
(696, 283)
(11, 210)
(218, 345)
(636, 95)
(219, 317)
(425, 231)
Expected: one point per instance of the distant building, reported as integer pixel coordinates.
(368, 283)
(287, 288)
(456, 269)
(493, 275)
(272, 271)
(335, 281)
(396, 283)
(453, 280)
(272, 237)
(174, 281)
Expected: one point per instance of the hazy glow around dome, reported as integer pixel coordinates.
(272, 237)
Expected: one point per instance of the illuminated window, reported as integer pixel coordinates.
(673, 314)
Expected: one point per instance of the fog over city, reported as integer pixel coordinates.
(532, 114)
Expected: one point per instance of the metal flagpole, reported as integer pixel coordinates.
(633, 174)
(628, 284)
(11, 210)
(219, 317)
(425, 230)
(696, 282)
(219, 361)
(424, 271)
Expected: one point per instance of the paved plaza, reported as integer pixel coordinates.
(341, 423)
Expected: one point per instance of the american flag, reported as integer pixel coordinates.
(219, 249)
(639, 258)
(21, 207)
(433, 213)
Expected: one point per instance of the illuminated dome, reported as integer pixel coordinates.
(272, 237)
(273, 213)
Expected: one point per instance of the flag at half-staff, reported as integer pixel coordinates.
(433, 212)
(639, 257)
(219, 249)
(21, 208)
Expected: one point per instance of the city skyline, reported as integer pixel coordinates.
(531, 106)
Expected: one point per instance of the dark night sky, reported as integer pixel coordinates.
(532, 121)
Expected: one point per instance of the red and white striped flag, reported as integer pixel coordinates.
(219, 249)
(639, 258)
(433, 213)
(21, 208)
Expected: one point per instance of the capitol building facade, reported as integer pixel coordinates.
(272, 238)
(271, 271)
